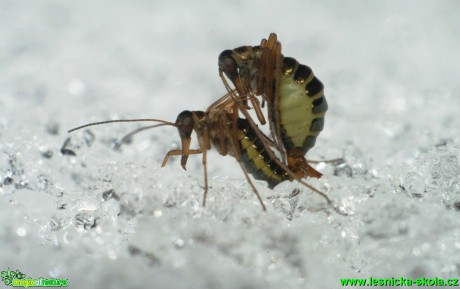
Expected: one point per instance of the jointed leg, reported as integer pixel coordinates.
(256, 105)
(178, 153)
(331, 161)
(242, 97)
(205, 168)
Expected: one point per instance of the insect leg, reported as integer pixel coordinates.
(178, 153)
(242, 98)
(331, 161)
(256, 105)
(278, 58)
(267, 85)
(205, 168)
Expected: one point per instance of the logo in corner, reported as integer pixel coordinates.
(18, 279)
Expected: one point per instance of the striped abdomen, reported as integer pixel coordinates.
(301, 106)
(255, 158)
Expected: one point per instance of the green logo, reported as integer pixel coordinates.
(18, 279)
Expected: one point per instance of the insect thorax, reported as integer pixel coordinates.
(248, 60)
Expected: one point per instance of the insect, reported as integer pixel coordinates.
(218, 127)
(295, 98)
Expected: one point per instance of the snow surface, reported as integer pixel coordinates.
(116, 219)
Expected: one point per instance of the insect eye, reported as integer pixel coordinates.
(185, 123)
(228, 65)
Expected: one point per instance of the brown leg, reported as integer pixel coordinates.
(242, 97)
(331, 161)
(276, 58)
(270, 66)
(256, 105)
(223, 102)
(178, 153)
(272, 39)
(205, 168)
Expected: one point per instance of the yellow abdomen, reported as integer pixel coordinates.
(301, 106)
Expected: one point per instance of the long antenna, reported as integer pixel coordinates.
(123, 120)
(131, 134)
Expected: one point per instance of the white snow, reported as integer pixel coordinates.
(115, 219)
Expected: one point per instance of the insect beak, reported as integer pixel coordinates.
(239, 87)
(185, 142)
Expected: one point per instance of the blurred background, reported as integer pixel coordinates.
(72, 207)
